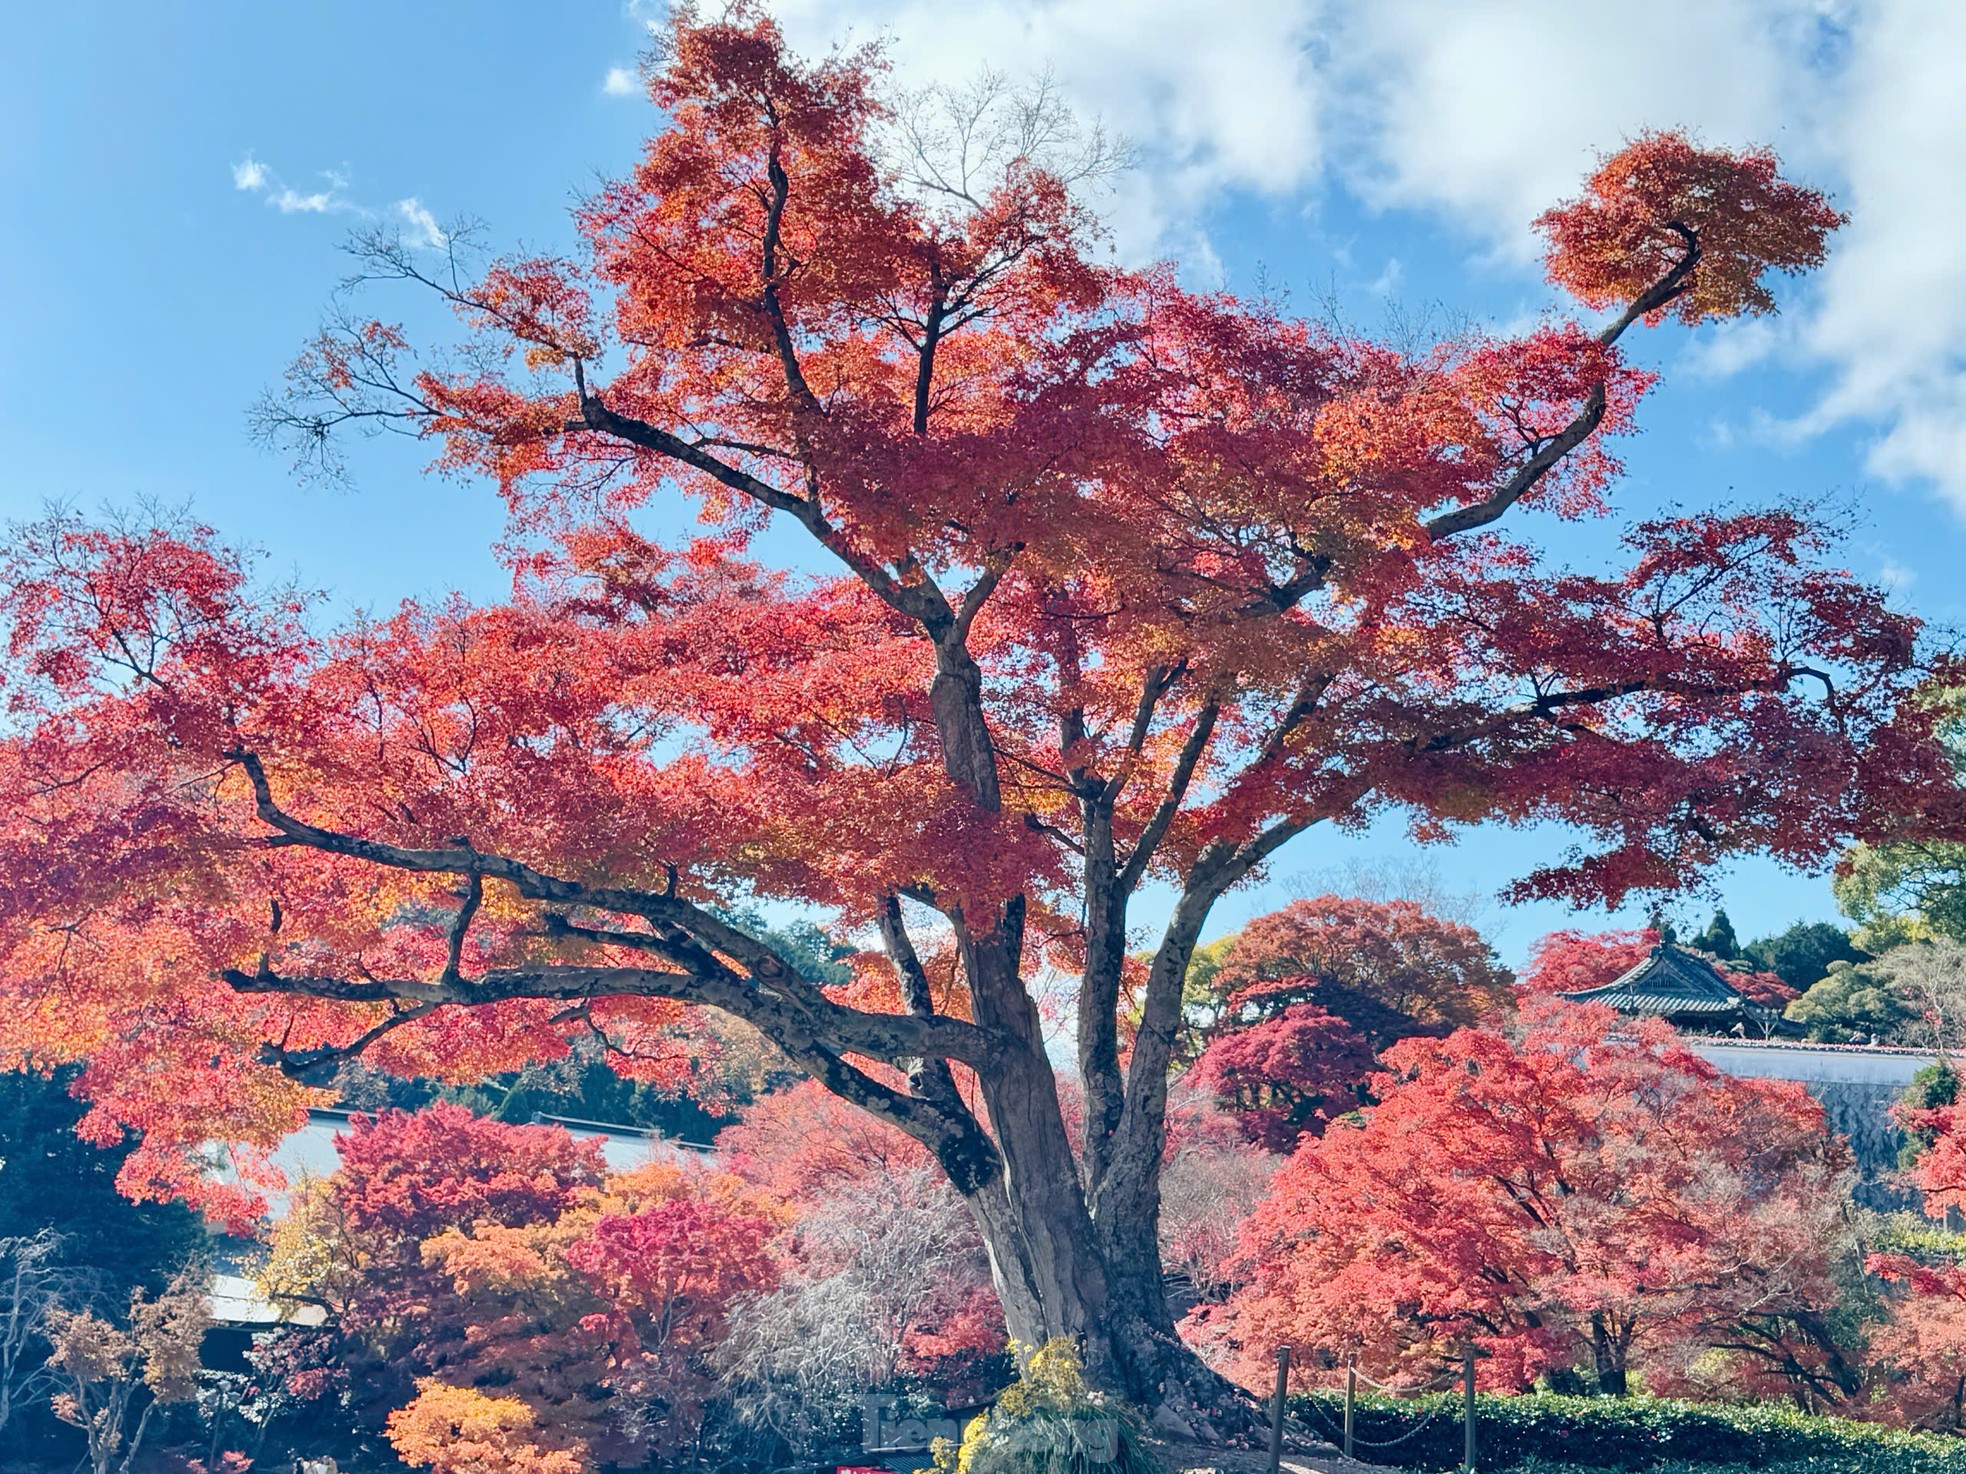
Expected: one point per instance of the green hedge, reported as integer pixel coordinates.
(1548, 1434)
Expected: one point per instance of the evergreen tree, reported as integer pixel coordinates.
(1801, 955)
(1719, 938)
(52, 1179)
(1931, 1088)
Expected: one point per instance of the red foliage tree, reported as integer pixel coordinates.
(1285, 1075)
(403, 1176)
(1344, 953)
(804, 1144)
(1113, 582)
(1575, 961)
(1920, 1350)
(1761, 987)
(462, 1258)
(1578, 1200)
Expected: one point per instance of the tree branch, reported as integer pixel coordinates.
(1479, 514)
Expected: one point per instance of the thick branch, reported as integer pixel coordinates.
(781, 332)
(920, 600)
(1177, 791)
(1462, 519)
(773, 996)
(931, 1076)
(1539, 465)
(1673, 284)
(763, 963)
(786, 1021)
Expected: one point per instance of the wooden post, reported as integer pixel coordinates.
(1468, 1411)
(1351, 1399)
(1276, 1415)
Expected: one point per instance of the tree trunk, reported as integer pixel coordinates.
(1055, 1280)
(1608, 1354)
(1058, 1275)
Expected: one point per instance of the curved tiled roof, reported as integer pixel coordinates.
(1670, 980)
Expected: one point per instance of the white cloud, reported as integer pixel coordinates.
(621, 82)
(1488, 112)
(1493, 112)
(257, 178)
(290, 201)
(1895, 577)
(1893, 302)
(1729, 348)
(421, 226)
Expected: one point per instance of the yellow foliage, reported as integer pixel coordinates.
(456, 1430)
(312, 1259)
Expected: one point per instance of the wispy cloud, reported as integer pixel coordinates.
(621, 82)
(260, 179)
(419, 225)
(290, 201)
(1895, 576)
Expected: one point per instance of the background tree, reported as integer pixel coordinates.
(53, 1178)
(354, 1244)
(69, 1242)
(887, 1283)
(1582, 1200)
(1801, 954)
(1574, 961)
(886, 1289)
(1913, 887)
(1109, 582)
(34, 1284)
(112, 1378)
(461, 1430)
(463, 1258)
(1921, 1348)
(1287, 1013)
(1211, 1184)
(1718, 938)
(1378, 962)
(1285, 1075)
(1857, 1002)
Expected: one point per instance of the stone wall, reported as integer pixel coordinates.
(1857, 1088)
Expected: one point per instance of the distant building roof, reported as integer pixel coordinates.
(237, 1301)
(1671, 982)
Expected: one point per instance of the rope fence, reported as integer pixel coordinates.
(1347, 1437)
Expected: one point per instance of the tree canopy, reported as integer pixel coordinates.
(1582, 1198)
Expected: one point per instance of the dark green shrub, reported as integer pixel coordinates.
(1545, 1433)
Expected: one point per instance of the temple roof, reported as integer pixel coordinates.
(1671, 981)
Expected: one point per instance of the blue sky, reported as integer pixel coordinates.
(1389, 154)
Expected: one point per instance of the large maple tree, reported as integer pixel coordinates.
(1106, 582)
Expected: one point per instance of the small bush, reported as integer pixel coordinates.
(1548, 1434)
